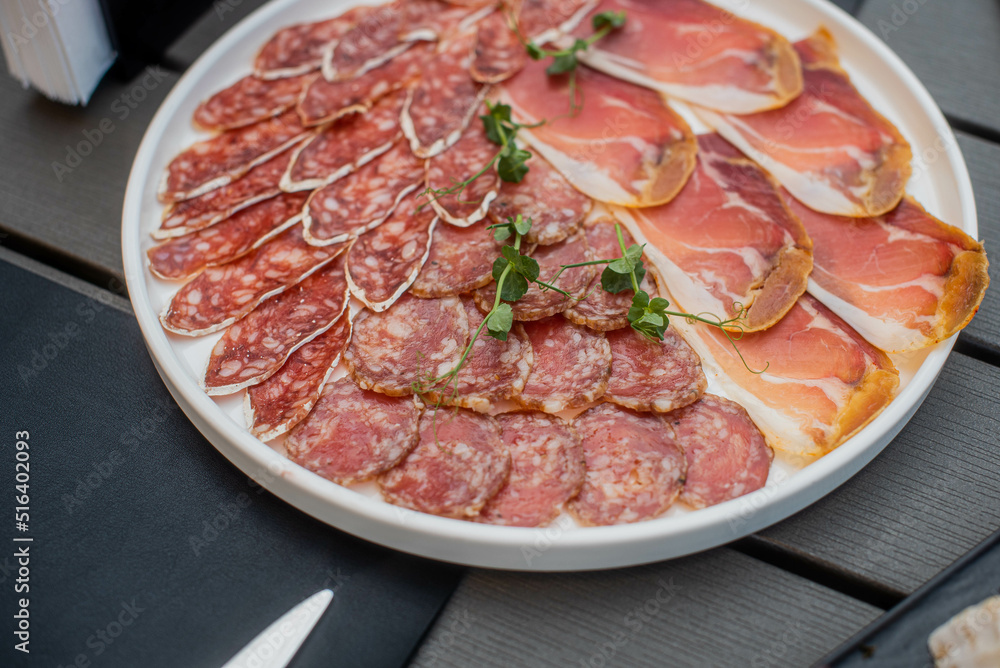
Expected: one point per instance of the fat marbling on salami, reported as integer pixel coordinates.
(249, 100)
(572, 365)
(499, 52)
(461, 260)
(458, 164)
(299, 48)
(651, 375)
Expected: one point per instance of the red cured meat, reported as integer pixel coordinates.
(354, 434)
(499, 52)
(249, 100)
(572, 366)
(460, 163)
(183, 257)
(458, 465)
(461, 260)
(547, 469)
(650, 375)
(635, 469)
(251, 350)
(543, 21)
(299, 48)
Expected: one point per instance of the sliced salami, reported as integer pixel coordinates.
(556, 208)
(217, 161)
(254, 348)
(499, 52)
(219, 296)
(413, 340)
(197, 213)
(383, 263)
(543, 21)
(354, 434)
(381, 36)
(461, 260)
(344, 146)
(299, 48)
(461, 162)
(650, 375)
(249, 100)
(182, 257)
(286, 398)
(725, 451)
(571, 366)
(443, 103)
(635, 469)
(363, 199)
(459, 463)
(546, 470)
(536, 303)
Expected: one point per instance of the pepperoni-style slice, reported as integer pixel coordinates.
(499, 53)
(217, 161)
(183, 257)
(725, 451)
(254, 348)
(555, 207)
(546, 470)
(572, 365)
(442, 105)
(458, 465)
(651, 375)
(299, 48)
(377, 39)
(383, 263)
(354, 434)
(250, 100)
(344, 146)
(635, 469)
(536, 304)
(219, 296)
(413, 340)
(461, 162)
(285, 399)
(461, 260)
(362, 200)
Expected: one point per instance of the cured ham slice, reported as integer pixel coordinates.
(571, 368)
(362, 200)
(635, 470)
(697, 52)
(461, 260)
(547, 469)
(299, 48)
(413, 340)
(728, 241)
(344, 146)
(219, 296)
(459, 464)
(828, 146)
(383, 263)
(354, 434)
(183, 257)
(251, 350)
(904, 280)
(217, 161)
(286, 398)
(249, 100)
(499, 53)
(651, 375)
(556, 208)
(625, 146)
(543, 21)
(821, 381)
(460, 163)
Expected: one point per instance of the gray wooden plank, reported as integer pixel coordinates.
(932, 494)
(951, 45)
(223, 15)
(719, 608)
(106, 297)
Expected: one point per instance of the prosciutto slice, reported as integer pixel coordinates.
(625, 146)
(904, 280)
(697, 52)
(543, 21)
(829, 147)
(728, 240)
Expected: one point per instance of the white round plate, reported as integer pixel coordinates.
(940, 183)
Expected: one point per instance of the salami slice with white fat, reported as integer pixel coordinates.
(546, 470)
(354, 434)
(544, 21)
(383, 263)
(461, 260)
(299, 48)
(344, 146)
(286, 398)
(254, 348)
(219, 296)
(650, 375)
(571, 368)
(215, 162)
(409, 342)
(499, 52)
(459, 464)
(443, 103)
(556, 208)
(537, 304)
(182, 257)
(249, 100)
(635, 469)
(725, 451)
(459, 163)
(362, 200)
